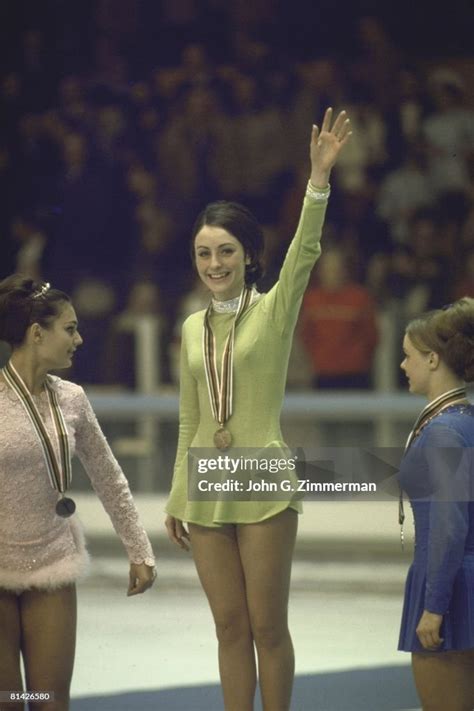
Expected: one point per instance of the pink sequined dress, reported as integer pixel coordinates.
(38, 549)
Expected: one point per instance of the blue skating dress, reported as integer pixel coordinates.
(437, 474)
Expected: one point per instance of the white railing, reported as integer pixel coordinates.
(334, 406)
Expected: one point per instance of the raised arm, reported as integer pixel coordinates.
(326, 145)
(284, 300)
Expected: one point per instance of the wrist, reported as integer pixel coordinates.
(320, 180)
(317, 194)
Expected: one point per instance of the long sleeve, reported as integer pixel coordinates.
(188, 405)
(283, 301)
(450, 469)
(110, 483)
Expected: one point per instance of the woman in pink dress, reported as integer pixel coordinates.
(44, 421)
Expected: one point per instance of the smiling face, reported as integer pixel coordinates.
(57, 343)
(220, 262)
(417, 366)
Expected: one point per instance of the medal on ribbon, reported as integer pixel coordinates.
(220, 387)
(60, 473)
(428, 412)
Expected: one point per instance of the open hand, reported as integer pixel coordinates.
(326, 145)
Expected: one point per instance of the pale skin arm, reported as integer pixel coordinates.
(141, 577)
(428, 630)
(326, 145)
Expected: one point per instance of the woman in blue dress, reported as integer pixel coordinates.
(437, 474)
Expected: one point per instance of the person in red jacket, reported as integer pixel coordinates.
(339, 326)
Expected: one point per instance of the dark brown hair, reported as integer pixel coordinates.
(449, 332)
(242, 225)
(23, 302)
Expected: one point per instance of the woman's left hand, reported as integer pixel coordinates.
(142, 577)
(326, 145)
(428, 630)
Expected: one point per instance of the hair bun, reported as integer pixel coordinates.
(21, 305)
(467, 329)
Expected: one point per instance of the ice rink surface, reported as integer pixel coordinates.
(158, 650)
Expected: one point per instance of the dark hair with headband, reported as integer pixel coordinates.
(23, 302)
(449, 332)
(242, 225)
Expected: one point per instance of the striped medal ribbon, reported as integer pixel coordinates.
(433, 408)
(60, 474)
(220, 389)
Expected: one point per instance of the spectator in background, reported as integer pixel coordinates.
(403, 191)
(11, 103)
(73, 108)
(145, 122)
(37, 69)
(318, 84)
(11, 192)
(358, 229)
(95, 302)
(111, 134)
(31, 242)
(196, 150)
(120, 350)
(449, 133)
(36, 157)
(376, 61)
(257, 131)
(418, 278)
(432, 273)
(93, 231)
(452, 209)
(338, 326)
(367, 155)
(403, 119)
(196, 68)
(160, 233)
(465, 285)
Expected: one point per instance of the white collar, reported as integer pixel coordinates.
(231, 305)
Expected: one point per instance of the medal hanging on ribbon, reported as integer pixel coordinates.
(220, 389)
(432, 409)
(60, 474)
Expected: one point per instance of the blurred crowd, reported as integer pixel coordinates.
(106, 157)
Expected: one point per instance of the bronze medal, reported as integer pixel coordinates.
(222, 438)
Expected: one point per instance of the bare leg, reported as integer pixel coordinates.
(445, 681)
(217, 559)
(10, 639)
(266, 550)
(48, 624)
